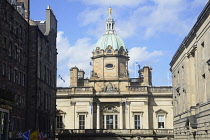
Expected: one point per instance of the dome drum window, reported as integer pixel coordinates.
(109, 51)
(109, 66)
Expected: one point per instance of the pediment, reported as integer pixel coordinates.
(59, 111)
(161, 111)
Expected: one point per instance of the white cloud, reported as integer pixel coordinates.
(145, 19)
(143, 57)
(141, 54)
(72, 55)
(113, 2)
(89, 16)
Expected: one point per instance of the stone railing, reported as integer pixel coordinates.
(117, 132)
(82, 89)
(74, 90)
(160, 89)
(163, 89)
(137, 88)
(63, 91)
(163, 131)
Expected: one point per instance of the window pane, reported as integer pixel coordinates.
(103, 122)
(109, 121)
(81, 121)
(116, 126)
(137, 121)
(3, 69)
(59, 121)
(161, 121)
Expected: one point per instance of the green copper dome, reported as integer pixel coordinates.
(110, 39)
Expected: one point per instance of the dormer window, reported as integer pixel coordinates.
(109, 51)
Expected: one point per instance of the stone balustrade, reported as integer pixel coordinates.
(118, 132)
(162, 89)
(137, 88)
(73, 90)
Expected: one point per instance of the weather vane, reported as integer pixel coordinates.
(110, 11)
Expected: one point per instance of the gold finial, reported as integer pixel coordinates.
(110, 11)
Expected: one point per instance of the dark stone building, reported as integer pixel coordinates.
(13, 68)
(28, 59)
(42, 73)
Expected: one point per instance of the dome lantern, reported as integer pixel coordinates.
(110, 38)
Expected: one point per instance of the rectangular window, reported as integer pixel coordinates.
(5, 43)
(81, 121)
(161, 121)
(23, 79)
(3, 69)
(19, 77)
(59, 121)
(39, 97)
(109, 121)
(15, 52)
(116, 126)
(203, 50)
(10, 49)
(9, 73)
(45, 73)
(137, 121)
(49, 102)
(45, 101)
(18, 54)
(15, 75)
(24, 58)
(103, 123)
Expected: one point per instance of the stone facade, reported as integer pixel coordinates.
(13, 69)
(190, 69)
(42, 74)
(22, 106)
(111, 104)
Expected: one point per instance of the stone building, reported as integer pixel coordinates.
(110, 104)
(21, 103)
(42, 69)
(190, 67)
(13, 68)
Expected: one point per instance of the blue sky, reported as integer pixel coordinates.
(152, 31)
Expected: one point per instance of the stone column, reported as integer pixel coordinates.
(98, 115)
(104, 121)
(113, 121)
(73, 103)
(127, 114)
(121, 115)
(91, 115)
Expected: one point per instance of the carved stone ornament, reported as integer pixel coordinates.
(73, 103)
(110, 88)
(110, 109)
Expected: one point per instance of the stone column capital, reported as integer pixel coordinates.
(73, 103)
